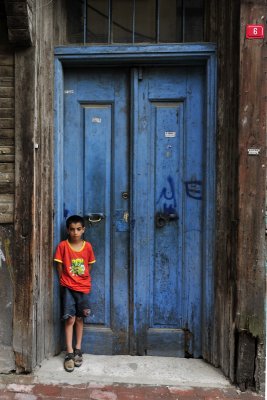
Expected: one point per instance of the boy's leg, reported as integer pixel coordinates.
(69, 362)
(82, 311)
(79, 332)
(69, 323)
(78, 358)
(69, 311)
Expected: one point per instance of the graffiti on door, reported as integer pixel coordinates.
(167, 196)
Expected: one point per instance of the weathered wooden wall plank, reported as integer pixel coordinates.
(6, 92)
(6, 112)
(7, 145)
(7, 179)
(33, 339)
(24, 341)
(44, 184)
(6, 70)
(222, 27)
(60, 23)
(7, 154)
(19, 22)
(6, 123)
(6, 208)
(6, 82)
(6, 134)
(7, 59)
(251, 279)
(239, 275)
(7, 103)
(18, 35)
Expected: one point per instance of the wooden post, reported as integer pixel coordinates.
(249, 322)
(23, 336)
(33, 322)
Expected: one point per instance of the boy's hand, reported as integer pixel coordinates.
(86, 312)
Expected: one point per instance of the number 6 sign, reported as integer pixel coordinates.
(255, 32)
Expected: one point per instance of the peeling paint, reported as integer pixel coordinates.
(6, 257)
(244, 121)
(2, 257)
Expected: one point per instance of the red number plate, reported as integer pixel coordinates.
(254, 32)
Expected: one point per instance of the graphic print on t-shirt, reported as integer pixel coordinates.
(77, 266)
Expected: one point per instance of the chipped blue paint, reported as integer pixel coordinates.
(66, 212)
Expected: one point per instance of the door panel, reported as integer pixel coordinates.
(165, 301)
(169, 152)
(96, 174)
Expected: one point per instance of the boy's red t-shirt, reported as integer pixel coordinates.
(75, 273)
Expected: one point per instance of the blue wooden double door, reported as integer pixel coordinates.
(133, 167)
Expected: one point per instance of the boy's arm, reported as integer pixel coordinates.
(59, 269)
(90, 264)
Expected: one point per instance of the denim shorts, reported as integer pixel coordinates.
(73, 303)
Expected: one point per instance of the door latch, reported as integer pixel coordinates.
(162, 219)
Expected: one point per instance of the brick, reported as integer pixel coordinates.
(103, 395)
(47, 390)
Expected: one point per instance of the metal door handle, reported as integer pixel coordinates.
(93, 218)
(162, 219)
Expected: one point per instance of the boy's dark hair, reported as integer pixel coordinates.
(75, 219)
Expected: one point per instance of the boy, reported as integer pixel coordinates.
(74, 257)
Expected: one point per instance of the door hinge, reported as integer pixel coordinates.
(140, 73)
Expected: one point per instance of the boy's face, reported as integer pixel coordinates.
(75, 231)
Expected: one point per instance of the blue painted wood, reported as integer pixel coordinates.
(149, 314)
(168, 180)
(96, 173)
(126, 52)
(58, 185)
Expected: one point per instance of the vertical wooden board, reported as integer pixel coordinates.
(60, 23)
(251, 277)
(222, 27)
(252, 176)
(33, 204)
(43, 185)
(23, 342)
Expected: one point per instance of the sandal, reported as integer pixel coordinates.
(78, 358)
(69, 362)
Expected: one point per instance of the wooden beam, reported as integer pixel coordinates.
(251, 279)
(23, 317)
(19, 21)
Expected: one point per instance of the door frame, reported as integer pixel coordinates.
(124, 55)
